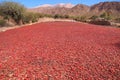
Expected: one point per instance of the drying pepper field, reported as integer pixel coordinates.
(60, 51)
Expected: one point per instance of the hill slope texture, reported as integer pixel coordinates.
(81, 9)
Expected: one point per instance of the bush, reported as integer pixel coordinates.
(106, 15)
(12, 9)
(94, 17)
(61, 16)
(100, 22)
(30, 17)
(47, 15)
(57, 16)
(2, 23)
(80, 18)
(66, 16)
(117, 20)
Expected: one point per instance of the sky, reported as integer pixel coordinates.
(34, 3)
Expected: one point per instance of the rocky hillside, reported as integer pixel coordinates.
(79, 9)
(112, 7)
(106, 6)
(62, 9)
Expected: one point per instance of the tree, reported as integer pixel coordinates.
(106, 15)
(80, 18)
(117, 20)
(83, 18)
(13, 9)
(31, 17)
(2, 22)
(57, 16)
(66, 16)
(94, 17)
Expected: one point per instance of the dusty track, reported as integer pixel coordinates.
(60, 51)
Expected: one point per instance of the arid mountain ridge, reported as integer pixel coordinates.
(79, 9)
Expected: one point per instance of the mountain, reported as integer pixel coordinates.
(106, 6)
(60, 5)
(44, 6)
(111, 7)
(61, 9)
(79, 9)
(68, 5)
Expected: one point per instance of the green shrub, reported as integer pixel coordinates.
(77, 18)
(117, 20)
(64, 16)
(106, 15)
(100, 22)
(61, 16)
(26, 19)
(57, 16)
(80, 18)
(47, 15)
(94, 17)
(12, 9)
(30, 17)
(72, 17)
(2, 23)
